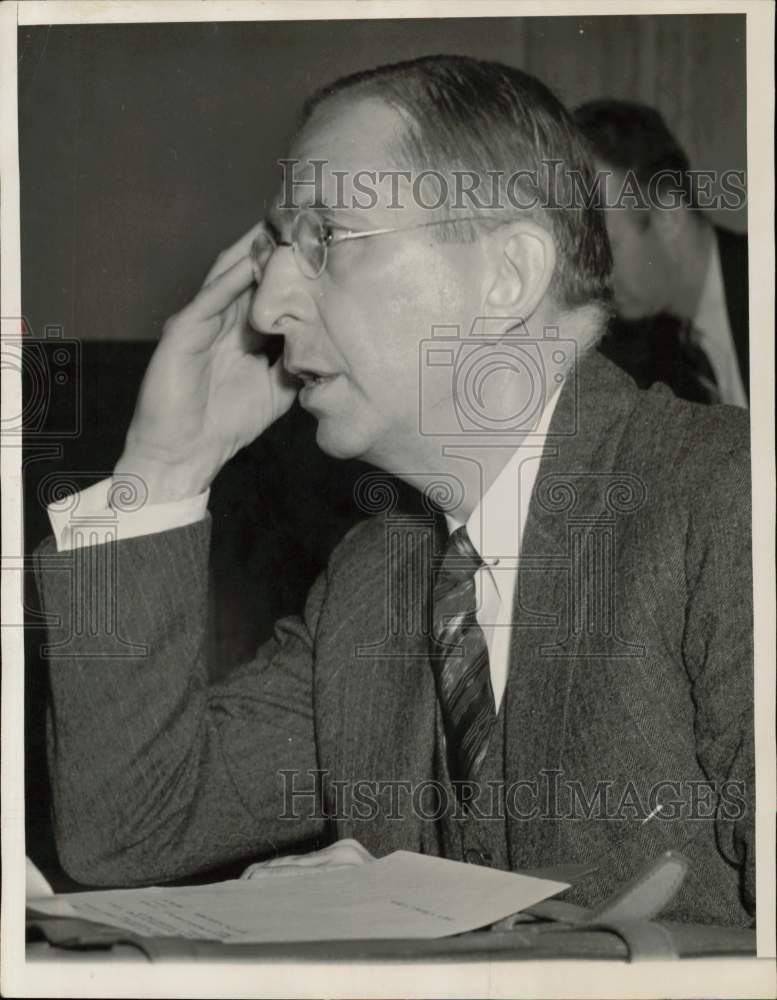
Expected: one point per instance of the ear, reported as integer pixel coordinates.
(522, 258)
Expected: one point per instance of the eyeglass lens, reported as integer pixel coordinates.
(308, 240)
(308, 236)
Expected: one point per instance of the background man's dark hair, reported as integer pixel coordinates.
(472, 115)
(634, 137)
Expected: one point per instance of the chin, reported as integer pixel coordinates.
(339, 441)
(633, 310)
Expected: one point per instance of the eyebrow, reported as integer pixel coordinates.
(275, 215)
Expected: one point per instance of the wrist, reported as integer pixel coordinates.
(160, 481)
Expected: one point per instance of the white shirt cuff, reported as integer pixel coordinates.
(87, 518)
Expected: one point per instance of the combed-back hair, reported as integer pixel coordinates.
(466, 114)
(634, 137)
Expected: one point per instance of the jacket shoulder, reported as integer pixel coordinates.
(694, 447)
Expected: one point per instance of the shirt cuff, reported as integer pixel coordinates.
(87, 518)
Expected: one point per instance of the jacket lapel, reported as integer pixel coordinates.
(553, 599)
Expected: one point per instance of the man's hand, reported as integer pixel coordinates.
(206, 394)
(342, 854)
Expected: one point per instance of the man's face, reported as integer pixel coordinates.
(642, 274)
(358, 327)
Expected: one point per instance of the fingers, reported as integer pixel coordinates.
(265, 870)
(342, 854)
(227, 258)
(230, 278)
(221, 292)
(348, 848)
(283, 389)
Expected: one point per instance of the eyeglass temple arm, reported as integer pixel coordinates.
(361, 234)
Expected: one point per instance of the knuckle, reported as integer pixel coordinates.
(171, 325)
(175, 328)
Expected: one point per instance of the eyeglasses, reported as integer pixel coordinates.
(312, 238)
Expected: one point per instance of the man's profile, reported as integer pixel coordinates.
(680, 282)
(551, 664)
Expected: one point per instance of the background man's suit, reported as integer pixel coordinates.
(650, 349)
(155, 775)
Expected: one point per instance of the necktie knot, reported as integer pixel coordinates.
(689, 334)
(461, 560)
(701, 382)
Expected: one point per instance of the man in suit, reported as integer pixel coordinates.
(549, 663)
(680, 282)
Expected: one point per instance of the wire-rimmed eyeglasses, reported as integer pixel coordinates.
(311, 239)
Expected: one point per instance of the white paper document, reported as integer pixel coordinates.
(403, 895)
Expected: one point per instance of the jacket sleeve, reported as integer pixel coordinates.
(718, 650)
(155, 773)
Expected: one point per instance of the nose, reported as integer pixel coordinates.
(282, 303)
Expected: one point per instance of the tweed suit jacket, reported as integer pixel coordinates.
(630, 680)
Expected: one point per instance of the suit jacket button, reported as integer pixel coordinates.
(475, 857)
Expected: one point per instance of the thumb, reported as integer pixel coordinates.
(283, 388)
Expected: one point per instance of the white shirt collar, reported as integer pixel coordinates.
(712, 302)
(496, 524)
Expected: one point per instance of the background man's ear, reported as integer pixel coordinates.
(523, 257)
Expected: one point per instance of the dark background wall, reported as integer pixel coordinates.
(145, 149)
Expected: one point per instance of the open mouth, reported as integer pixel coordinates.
(314, 378)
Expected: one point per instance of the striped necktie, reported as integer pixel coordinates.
(460, 660)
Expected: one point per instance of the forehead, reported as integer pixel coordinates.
(344, 143)
(352, 134)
